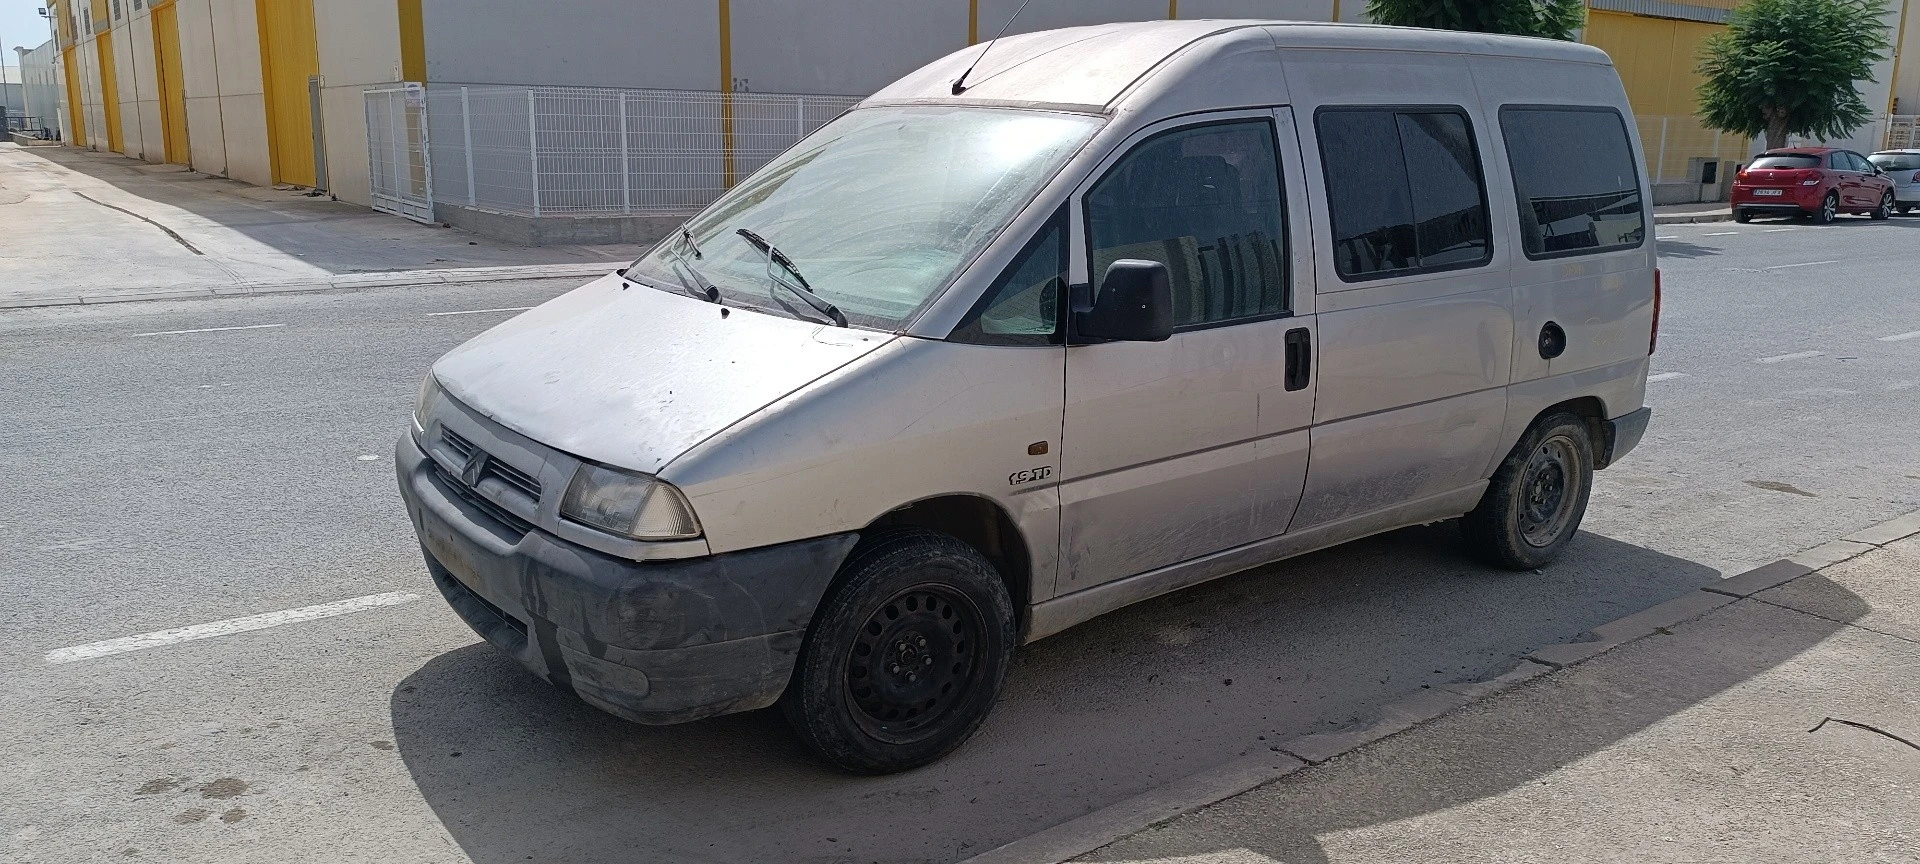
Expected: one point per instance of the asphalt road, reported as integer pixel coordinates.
(161, 479)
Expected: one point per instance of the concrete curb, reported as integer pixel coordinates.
(343, 282)
(1087, 833)
(1686, 218)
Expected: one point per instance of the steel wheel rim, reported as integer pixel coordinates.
(1550, 487)
(914, 662)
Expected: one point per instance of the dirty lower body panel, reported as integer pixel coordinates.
(656, 643)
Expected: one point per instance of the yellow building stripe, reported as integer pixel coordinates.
(726, 87)
(413, 42)
(1336, 10)
(973, 22)
(1173, 9)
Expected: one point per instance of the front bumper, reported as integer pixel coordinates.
(1621, 434)
(656, 643)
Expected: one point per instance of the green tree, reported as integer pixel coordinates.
(1787, 67)
(1552, 19)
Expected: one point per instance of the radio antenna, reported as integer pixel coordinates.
(960, 83)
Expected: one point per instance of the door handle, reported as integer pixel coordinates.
(1299, 358)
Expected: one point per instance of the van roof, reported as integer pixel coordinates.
(1091, 68)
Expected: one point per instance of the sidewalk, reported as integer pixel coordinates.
(1731, 725)
(1678, 214)
(78, 227)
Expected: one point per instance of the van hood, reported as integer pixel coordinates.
(632, 376)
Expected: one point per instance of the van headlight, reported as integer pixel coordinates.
(628, 504)
(429, 398)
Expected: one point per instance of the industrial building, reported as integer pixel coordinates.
(275, 91)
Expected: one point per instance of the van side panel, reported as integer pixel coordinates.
(1603, 301)
(1412, 369)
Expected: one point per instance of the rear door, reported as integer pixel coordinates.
(1848, 179)
(1173, 450)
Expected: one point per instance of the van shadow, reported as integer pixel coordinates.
(335, 236)
(1538, 732)
(518, 771)
(1685, 250)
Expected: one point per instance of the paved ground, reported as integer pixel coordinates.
(1728, 739)
(177, 478)
(169, 228)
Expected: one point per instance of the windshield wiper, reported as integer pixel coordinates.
(691, 278)
(799, 285)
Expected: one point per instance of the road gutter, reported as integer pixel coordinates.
(1106, 825)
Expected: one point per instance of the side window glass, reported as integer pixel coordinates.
(1205, 201)
(1860, 162)
(1577, 180)
(1838, 161)
(1022, 307)
(1404, 191)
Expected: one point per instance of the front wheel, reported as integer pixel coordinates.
(1534, 503)
(1885, 210)
(905, 656)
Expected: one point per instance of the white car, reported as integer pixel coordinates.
(1903, 168)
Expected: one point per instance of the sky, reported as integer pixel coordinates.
(20, 25)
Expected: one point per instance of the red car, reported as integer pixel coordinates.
(1815, 182)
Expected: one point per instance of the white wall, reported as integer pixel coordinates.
(359, 48)
(45, 93)
(846, 47)
(242, 107)
(1907, 87)
(199, 68)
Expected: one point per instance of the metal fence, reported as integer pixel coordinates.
(544, 151)
(1902, 131)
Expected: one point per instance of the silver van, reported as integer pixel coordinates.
(1129, 308)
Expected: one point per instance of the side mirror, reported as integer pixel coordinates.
(1135, 304)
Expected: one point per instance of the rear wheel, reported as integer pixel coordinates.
(1885, 210)
(905, 656)
(1742, 215)
(1535, 501)
(1829, 208)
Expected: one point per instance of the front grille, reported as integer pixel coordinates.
(460, 446)
(518, 479)
(514, 523)
(514, 477)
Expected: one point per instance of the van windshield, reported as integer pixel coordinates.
(879, 209)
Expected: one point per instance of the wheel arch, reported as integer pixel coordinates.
(979, 522)
(1591, 409)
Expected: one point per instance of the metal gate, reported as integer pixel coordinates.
(398, 167)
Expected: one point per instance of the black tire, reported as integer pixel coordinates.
(1742, 215)
(924, 599)
(1534, 504)
(1829, 208)
(1885, 211)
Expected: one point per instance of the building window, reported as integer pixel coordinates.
(117, 12)
(1404, 191)
(1578, 183)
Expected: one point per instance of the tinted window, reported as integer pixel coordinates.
(1785, 160)
(1403, 189)
(1578, 184)
(1859, 162)
(1896, 161)
(1022, 307)
(1205, 201)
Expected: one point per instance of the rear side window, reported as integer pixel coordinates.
(1784, 160)
(1578, 184)
(1896, 161)
(1404, 191)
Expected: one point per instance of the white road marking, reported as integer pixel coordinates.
(1665, 376)
(1801, 264)
(1778, 230)
(1719, 233)
(1797, 355)
(1901, 337)
(479, 311)
(366, 457)
(1666, 238)
(228, 627)
(210, 330)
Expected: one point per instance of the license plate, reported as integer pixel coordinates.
(1766, 191)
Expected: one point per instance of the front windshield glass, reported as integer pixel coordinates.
(877, 210)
